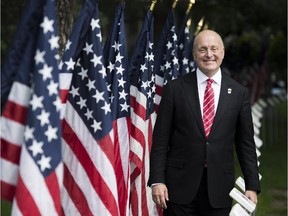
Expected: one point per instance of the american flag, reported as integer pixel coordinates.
(143, 116)
(90, 185)
(30, 124)
(166, 56)
(184, 48)
(116, 62)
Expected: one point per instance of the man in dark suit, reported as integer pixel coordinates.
(198, 125)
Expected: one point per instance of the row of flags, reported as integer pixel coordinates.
(76, 130)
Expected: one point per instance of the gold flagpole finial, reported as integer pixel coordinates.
(174, 4)
(189, 21)
(190, 6)
(199, 26)
(153, 5)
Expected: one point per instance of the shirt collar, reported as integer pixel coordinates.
(201, 77)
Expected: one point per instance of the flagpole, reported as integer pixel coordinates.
(153, 5)
(190, 6)
(174, 4)
(199, 26)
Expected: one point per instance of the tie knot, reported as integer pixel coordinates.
(209, 81)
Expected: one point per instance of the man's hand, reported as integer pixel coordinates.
(160, 195)
(252, 195)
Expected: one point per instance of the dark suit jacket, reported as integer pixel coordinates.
(180, 147)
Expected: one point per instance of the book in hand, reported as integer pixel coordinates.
(241, 183)
(242, 200)
(237, 210)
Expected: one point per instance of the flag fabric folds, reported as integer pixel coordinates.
(90, 185)
(184, 50)
(31, 164)
(143, 116)
(166, 56)
(116, 62)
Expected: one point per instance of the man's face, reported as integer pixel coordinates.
(208, 52)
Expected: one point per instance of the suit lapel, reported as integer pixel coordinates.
(224, 101)
(191, 93)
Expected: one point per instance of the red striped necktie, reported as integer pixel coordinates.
(208, 107)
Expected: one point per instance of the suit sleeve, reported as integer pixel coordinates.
(245, 146)
(161, 137)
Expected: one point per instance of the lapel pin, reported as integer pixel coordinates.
(229, 90)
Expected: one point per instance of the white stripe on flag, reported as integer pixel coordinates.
(11, 131)
(10, 177)
(20, 94)
(35, 184)
(83, 181)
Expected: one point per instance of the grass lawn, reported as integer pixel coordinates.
(272, 200)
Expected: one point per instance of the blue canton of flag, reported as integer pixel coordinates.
(116, 62)
(184, 48)
(167, 64)
(43, 132)
(88, 141)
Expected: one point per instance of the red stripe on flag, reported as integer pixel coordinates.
(63, 95)
(76, 194)
(15, 112)
(121, 185)
(134, 200)
(28, 207)
(159, 90)
(10, 151)
(95, 177)
(7, 191)
(53, 187)
(138, 109)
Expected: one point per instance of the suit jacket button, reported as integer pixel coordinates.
(207, 143)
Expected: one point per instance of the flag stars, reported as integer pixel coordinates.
(47, 25)
(46, 72)
(54, 42)
(106, 107)
(74, 91)
(120, 69)
(43, 117)
(68, 44)
(116, 46)
(70, 64)
(96, 125)
(95, 23)
(88, 48)
(96, 60)
(91, 84)
(88, 114)
(82, 102)
(36, 148)
(98, 96)
(36, 102)
(111, 66)
(103, 71)
(58, 104)
(119, 58)
(44, 163)
(121, 82)
(39, 57)
(52, 88)
(28, 133)
(143, 67)
(122, 94)
(51, 133)
(83, 73)
(169, 45)
(124, 107)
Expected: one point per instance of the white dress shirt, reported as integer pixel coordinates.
(202, 83)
